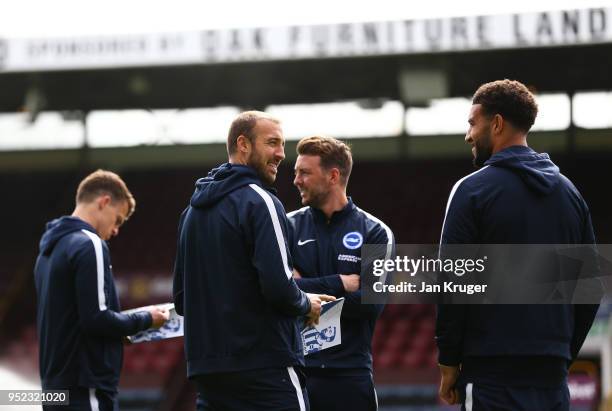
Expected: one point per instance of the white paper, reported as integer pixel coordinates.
(324, 335)
(172, 328)
(327, 333)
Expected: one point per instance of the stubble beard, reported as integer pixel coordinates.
(484, 151)
(260, 166)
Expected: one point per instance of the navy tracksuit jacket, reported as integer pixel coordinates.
(80, 328)
(233, 277)
(321, 251)
(518, 197)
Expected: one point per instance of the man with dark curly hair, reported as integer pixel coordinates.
(511, 357)
(505, 100)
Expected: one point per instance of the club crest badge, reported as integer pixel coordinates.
(352, 240)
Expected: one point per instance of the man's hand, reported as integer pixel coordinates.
(447, 391)
(296, 274)
(350, 282)
(315, 307)
(159, 316)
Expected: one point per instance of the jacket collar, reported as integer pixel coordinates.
(338, 215)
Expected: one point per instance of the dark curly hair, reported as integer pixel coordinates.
(509, 98)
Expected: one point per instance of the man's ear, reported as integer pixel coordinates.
(334, 176)
(103, 201)
(497, 124)
(243, 144)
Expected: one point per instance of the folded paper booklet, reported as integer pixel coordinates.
(326, 334)
(172, 328)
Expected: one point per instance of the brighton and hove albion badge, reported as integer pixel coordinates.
(352, 240)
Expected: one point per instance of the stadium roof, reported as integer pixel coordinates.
(408, 60)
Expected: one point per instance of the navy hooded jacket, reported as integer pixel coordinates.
(80, 328)
(322, 251)
(518, 197)
(233, 277)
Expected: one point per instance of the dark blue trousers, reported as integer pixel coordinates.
(490, 397)
(329, 390)
(274, 389)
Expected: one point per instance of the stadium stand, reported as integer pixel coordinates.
(409, 196)
(403, 186)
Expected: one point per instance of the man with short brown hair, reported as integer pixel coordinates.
(105, 182)
(80, 326)
(244, 125)
(326, 239)
(233, 280)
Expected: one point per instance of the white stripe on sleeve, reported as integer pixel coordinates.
(375, 393)
(389, 233)
(277, 227)
(93, 400)
(97, 243)
(300, 210)
(452, 194)
(469, 400)
(298, 388)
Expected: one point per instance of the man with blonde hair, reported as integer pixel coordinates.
(80, 326)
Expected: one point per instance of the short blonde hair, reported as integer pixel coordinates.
(102, 182)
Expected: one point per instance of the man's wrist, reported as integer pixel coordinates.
(148, 320)
(449, 359)
(341, 289)
(308, 304)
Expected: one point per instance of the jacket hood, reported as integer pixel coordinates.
(58, 228)
(220, 182)
(536, 169)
